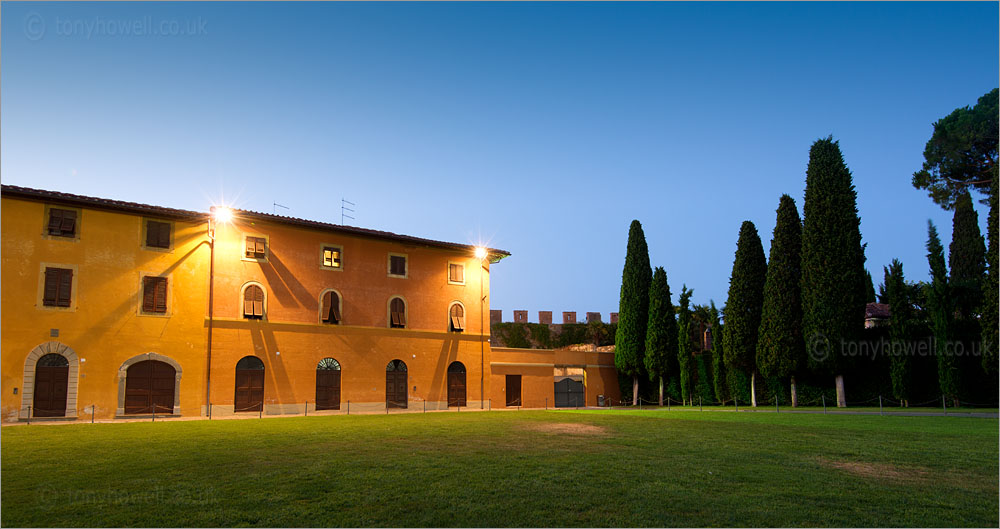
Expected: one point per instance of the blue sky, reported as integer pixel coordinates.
(542, 129)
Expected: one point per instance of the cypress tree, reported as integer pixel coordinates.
(870, 289)
(989, 310)
(941, 306)
(718, 362)
(743, 310)
(900, 330)
(633, 308)
(833, 275)
(966, 257)
(661, 331)
(684, 343)
(780, 346)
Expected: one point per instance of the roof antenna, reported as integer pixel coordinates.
(274, 210)
(343, 209)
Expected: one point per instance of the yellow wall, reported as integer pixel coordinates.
(103, 326)
(537, 366)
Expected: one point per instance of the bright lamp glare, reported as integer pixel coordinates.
(480, 252)
(222, 214)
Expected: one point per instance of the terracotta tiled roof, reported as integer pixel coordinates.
(146, 209)
(879, 311)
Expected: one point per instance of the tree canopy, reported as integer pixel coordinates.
(962, 152)
(746, 298)
(661, 331)
(966, 257)
(900, 329)
(633, 307)
(941, 308)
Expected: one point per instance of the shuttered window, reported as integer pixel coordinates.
(253, 302)
(457, 314)
(62, 222)
(456, 273)
(256, 247)
(331, 308)
(154, 294)
(331, 256)
(397, 265)
(397, 313)
(58, 289)
(157, 234)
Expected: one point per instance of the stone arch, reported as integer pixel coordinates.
(123, 373)
(28, 385)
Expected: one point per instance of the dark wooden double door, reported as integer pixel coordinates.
(569, 393)
(456, 389)
(249, 390)
(149, 388)
(396, 395)
(327, 389)
(50, 391)
(513, 390)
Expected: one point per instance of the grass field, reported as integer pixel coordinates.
(526, 468)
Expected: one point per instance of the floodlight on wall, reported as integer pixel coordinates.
(222, 214)
(480, 253)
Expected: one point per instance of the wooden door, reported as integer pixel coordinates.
(327, 389)
(569, 393)
(149, 388)
(396, 395)
(50, 391)
(249, 390)
(513, 390)
(456, 389)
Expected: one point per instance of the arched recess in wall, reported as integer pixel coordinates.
(28, 385)
(123, 375)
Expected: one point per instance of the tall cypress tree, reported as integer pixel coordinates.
(661, 331)
(988, 322)
(684, 343)
(780, 347)
(870, 288)
(633, 308)
(719, 383)
(941, 307)
(833, 274)
(743, 310)
(901, 321)
(966, 257)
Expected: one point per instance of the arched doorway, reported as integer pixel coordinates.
(149, 387)
(396, 395)
(51, 382)
(328, 384)
(456, 384)
(249, 385)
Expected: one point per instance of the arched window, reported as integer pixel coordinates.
(330, 307)
(253, 302)
(456, 317)
(53, 360)
(328, 384)
(249, 385)
(456, 384)
(397, 313)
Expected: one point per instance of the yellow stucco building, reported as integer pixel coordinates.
(113, 309)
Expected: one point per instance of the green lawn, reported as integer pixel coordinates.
(526, 468)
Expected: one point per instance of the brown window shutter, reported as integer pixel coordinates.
(147, 294)
(152, 234)
(259, 246)
(68, 222)
(402, 319)
(335, 313)
(55, 221)
(161, 295)
(325, 311)
(258, 301)
(51, 293)
(395, 318)
(65, 287)
(164, 235)
(248, 301)
(336, 257)
(250, 246)
(461, 323)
